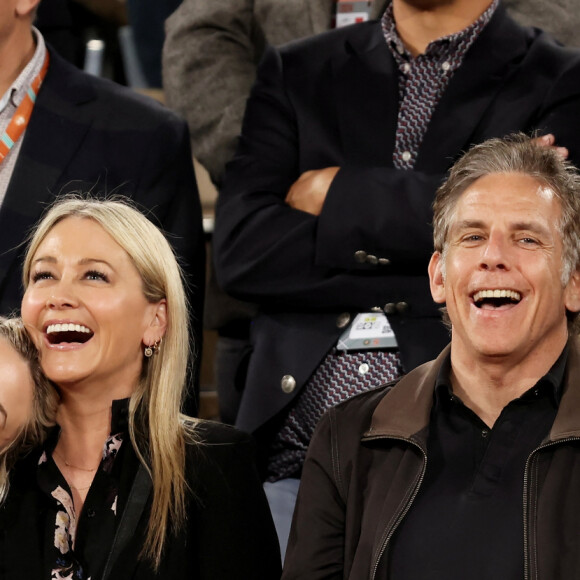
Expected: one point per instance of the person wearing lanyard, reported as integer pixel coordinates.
(324, 214)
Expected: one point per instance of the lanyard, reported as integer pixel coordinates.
(21, 116)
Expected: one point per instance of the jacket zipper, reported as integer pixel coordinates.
(388, 534)
(526, 482)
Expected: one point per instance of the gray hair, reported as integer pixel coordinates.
(515, 153)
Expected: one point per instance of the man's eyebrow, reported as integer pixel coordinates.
(534, 227)
(468, 224)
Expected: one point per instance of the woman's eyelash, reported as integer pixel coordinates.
(41, 276)
(96, 275)
(91, 275)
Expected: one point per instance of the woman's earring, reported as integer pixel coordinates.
(152, 349)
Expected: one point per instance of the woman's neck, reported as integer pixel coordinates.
(84, 428)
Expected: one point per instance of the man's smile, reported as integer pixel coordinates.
(496, 298)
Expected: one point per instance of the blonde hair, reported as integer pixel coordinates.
(157, 429)
(44, 402)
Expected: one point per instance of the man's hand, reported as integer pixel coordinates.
(309, 191)
(550, 141)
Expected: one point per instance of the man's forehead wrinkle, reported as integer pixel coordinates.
(528, 225)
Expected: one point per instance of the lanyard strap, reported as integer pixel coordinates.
(21, 116)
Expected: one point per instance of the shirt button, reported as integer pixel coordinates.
(288, 383)
(445, 66)
(363, 369)
(484, 433)
(406, 67)
(406, 156)
(91, 513)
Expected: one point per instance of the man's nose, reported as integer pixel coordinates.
(495, 254)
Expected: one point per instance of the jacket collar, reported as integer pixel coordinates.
(365, 72)
(488, 66)
(567, 422)
(404, 412)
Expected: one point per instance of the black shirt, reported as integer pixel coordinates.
(77, 545)
(467, 519)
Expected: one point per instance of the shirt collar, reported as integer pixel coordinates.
(552, 381)
(447, 44)
(16, 92)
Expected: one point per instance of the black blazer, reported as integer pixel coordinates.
(333, 100)
(88, 134)
(229, 533)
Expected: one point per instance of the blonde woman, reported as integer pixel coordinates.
(27, 399)
(125, 486)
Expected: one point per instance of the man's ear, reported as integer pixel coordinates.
(572, 293)
(158, 323)
(436, 279)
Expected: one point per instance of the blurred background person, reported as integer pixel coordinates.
(68, 25)
(560, 18)
(147, 20)
(125, 486)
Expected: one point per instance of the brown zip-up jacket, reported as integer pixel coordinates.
(366, 463)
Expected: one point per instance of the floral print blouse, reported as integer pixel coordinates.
(77, 544)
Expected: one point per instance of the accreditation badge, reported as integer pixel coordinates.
(348, 12)
(369, 330)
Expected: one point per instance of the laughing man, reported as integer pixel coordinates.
(468, 467)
